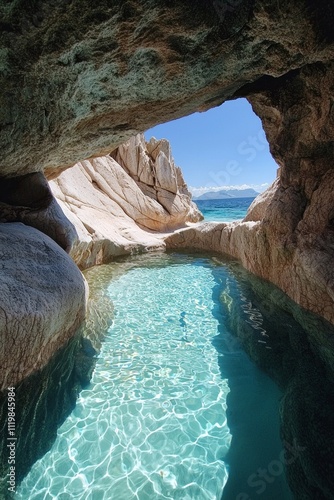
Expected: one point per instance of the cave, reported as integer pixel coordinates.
(78, 80)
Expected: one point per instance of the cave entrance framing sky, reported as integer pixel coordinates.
(220, 148)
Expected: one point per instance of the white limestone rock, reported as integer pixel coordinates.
(120, 204)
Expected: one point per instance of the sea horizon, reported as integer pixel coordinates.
(224, 210)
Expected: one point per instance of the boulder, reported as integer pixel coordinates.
(43, 298)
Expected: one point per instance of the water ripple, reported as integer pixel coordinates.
(152, 425)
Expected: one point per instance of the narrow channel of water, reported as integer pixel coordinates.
(175, 409)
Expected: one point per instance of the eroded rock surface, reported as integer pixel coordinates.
(28, 199)
(43, 297)
(288, 233)
(118, 206)
(79, 78)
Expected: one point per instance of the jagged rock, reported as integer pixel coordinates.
(116, 206)
(151, 166)
(43, 296)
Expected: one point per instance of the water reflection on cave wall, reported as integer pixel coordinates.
(296, 349)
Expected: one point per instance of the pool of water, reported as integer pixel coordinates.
(175, 408)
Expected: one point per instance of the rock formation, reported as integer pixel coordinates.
(117, 207)
(78, 78)
(43, 296)
(288, 233)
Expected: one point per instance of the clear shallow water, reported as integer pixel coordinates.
(162, 419)
(224, 210)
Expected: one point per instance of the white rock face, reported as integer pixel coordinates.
(120, 204)
(43, 297)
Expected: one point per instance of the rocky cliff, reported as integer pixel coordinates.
(120, 203)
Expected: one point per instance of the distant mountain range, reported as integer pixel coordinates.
(231, 193)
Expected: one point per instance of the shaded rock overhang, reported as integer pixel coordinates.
(78, 78)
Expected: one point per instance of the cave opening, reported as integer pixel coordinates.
(222, 152)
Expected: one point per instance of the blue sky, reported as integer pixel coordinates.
(221, 148)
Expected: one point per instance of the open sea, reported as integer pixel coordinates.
(224, 210)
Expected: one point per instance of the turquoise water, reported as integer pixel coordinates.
(173, 399)
(224, 210)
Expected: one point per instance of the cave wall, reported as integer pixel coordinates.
(298, 224)
(78, 78)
